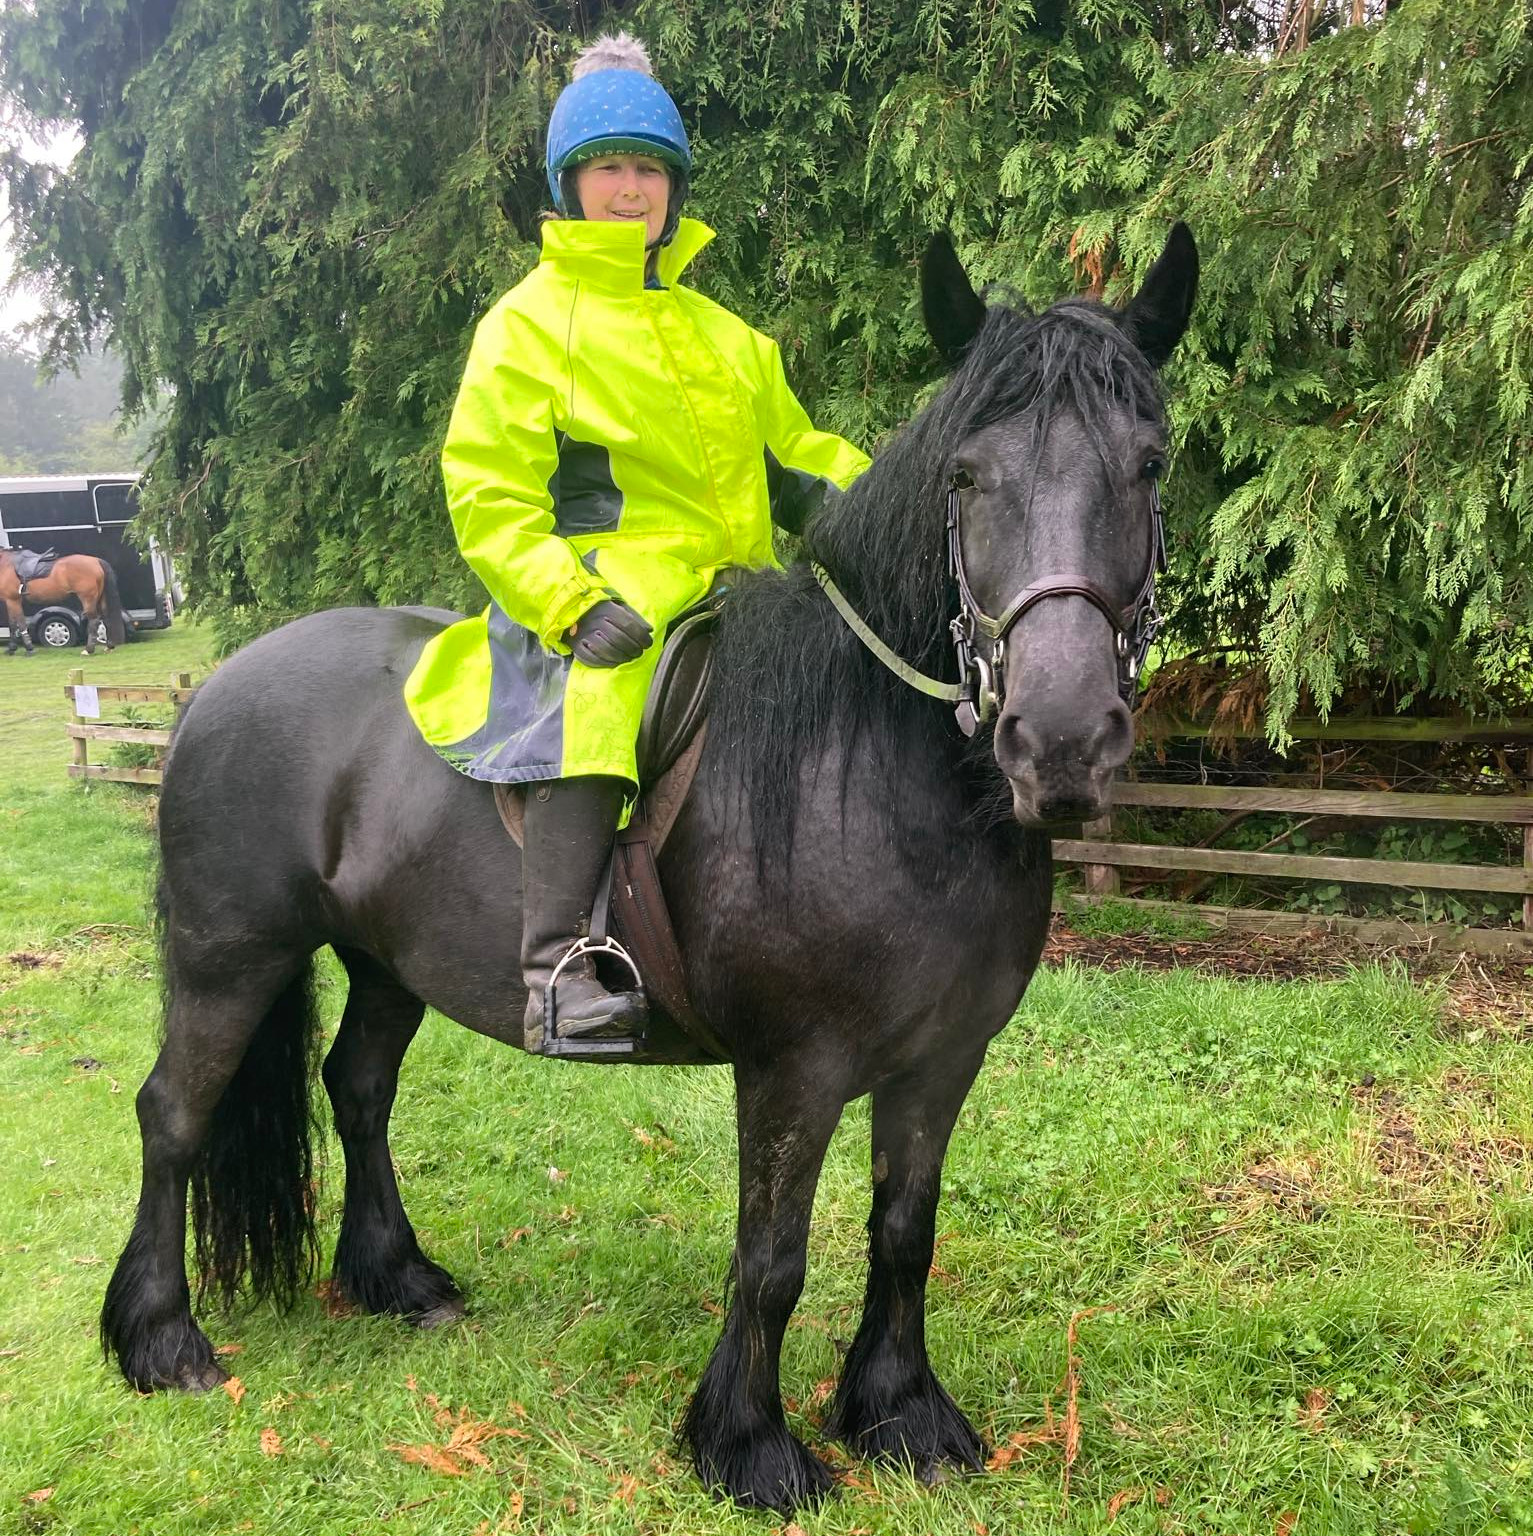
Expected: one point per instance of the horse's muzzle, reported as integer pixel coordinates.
(1062, 770)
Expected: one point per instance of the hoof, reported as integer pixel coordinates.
(200, 1378)
(439, 1316)
(765, 1470)
(920, 1427)
(402, 1283)
(782, 1476)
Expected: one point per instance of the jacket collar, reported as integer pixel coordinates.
(609, 254)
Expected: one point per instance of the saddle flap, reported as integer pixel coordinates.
(678, 694)
(31, 566)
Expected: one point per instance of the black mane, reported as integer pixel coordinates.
(790, 677)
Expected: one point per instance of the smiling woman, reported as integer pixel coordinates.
(630, 187)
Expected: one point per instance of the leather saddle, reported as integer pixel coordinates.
(31, 566)
(671, 731)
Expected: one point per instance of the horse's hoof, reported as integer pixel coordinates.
(766, 1470)
(200, 1378)
(920, 1426)
(439, 1316)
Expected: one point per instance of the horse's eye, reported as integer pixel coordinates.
(1154, 469)
(962, 480)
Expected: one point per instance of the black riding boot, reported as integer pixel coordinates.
(567, 840)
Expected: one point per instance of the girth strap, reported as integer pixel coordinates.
(643, 920)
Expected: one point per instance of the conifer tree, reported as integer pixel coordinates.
(291, 214)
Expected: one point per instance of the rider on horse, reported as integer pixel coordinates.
(618, 442)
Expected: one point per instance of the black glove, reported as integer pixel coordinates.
(610, 634)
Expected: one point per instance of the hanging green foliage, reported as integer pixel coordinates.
(290, 214)
(1358, 405)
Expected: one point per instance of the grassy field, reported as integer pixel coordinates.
(1307, 1205)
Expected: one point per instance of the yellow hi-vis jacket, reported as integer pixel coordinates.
(607, 438)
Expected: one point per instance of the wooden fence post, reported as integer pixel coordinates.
(183, 683)
(78, 747)
(1100, 879)
(1527, 857)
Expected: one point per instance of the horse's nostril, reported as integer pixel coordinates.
(1017, 741)
(1067, 810)
(1113, 740)
(1030, 740)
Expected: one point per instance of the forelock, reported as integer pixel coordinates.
(1075, 354)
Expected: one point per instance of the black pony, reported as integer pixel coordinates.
(861, 893)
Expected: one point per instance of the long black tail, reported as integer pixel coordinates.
(116, 619)
(253, 1185)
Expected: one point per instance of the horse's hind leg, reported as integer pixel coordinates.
(889, 1403)
(739, 1438)
(90, 612)
(96, 620)
(378, 1263)
(146, 1320)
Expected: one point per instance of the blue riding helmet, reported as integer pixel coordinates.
(616, 112)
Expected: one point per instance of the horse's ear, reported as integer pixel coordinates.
(1156, 317)
(953, 311)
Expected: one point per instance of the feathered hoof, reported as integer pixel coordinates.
(920, 1427)
(200, 1376)
(395, 1279)
(772, 1471)
(172, 1357)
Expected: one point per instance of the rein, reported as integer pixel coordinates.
(981, 689)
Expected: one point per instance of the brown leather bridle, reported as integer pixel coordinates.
(982, 676)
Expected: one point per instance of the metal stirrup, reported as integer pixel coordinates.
(597, 942)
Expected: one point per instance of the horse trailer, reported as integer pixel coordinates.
(87, 515)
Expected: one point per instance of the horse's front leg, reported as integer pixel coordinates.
(735, 1426)
(16, 623)
(889, 1403)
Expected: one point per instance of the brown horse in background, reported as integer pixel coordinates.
(86, 577)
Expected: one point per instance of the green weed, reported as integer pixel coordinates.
(1108, 917)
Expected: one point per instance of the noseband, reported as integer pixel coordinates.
(1134, 627)
(979, 641)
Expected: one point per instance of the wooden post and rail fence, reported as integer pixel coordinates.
(1102, 856)
(86, 725)
(1098, 852)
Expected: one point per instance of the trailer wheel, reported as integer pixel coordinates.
(57, 633)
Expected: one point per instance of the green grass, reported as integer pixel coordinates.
(34, 711)
(1111, 917)
(1309, 1204)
